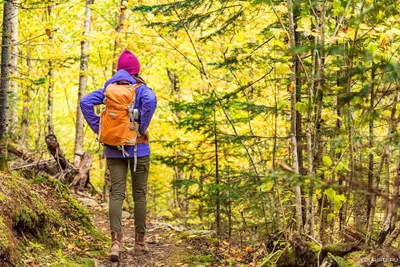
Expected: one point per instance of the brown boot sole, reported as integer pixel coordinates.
(114, 257)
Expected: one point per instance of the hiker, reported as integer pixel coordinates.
(119, 158)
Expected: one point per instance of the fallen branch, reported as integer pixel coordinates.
(21, 152)
(39, 164)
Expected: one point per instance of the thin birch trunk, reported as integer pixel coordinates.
(319, 80)
(78, 151)
(309, 136)
(297, 189)
(50, 127)
(4, 82)
(14, 67)
(118, 30)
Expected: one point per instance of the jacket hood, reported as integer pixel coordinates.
(121, 75)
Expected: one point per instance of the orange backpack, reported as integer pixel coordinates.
(117, 125)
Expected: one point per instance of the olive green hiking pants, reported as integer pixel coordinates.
(118, 171)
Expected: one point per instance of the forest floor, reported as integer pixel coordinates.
(43, 223)
(167, 248)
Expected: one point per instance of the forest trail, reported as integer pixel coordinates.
(166, 247)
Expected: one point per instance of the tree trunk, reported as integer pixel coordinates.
(309, 136)
(14, 67)
(25, 109)
(78, 151)
(66, 172)
(293, 123)
(118, 29)
(391, 216)
(180, 200)
(54, 148)
(50, 127)
(324, 208)
(359, 213)
(371, 144)
(385, 156)
(4, 82)
(392, 237)
(82, 178)
(218, 204)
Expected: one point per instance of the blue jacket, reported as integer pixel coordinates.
(146, 103)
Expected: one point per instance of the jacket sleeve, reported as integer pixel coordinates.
(87, 104)
(148, 106)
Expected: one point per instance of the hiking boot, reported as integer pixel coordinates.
(115, 254)
(140, 245)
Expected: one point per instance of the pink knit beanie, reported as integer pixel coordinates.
(129, 62)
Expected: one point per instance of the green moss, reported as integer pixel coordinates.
(314, 247)
(340, 261)
(61, 189)
(178, 255)
(62, 261)
(3, 164)
(75, 211)
(26, 219)
(287, 257)
(4, 242)
(202, 260)
(45, 213)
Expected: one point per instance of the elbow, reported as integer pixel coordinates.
(82, 104)
(83, 101)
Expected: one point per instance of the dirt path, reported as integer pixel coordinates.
(166, 248)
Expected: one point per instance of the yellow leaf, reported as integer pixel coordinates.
(241, 57)
(249, 249)
(305, 24)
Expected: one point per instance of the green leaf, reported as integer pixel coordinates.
(372, 47)
(265, 187)
(330, 194)
(301, 107)
(327, 161)
(339, 167)
(337, 4)
(338, 201)
(330, 217)
(338, 9)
